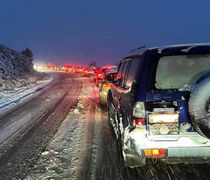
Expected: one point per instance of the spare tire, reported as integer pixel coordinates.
(199, 107)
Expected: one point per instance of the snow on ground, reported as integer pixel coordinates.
(60, 158)
(64, 155)
(11, 98)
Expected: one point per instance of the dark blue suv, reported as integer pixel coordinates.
(159, 105)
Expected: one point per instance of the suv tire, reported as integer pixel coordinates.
(199, 107)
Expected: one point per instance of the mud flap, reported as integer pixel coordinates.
(133, 160)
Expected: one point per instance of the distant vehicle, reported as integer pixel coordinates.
(79, 69)
(159, 105)
(98, 76)
(105, 85)
(68, 68)
(100, 73)
(104, 69)
(88, 72)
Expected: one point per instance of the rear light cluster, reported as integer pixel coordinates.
(106, 85)
(139, 121)
(139, 114)
(99, 75)
(155, 153)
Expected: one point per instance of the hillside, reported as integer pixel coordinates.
(16, 70)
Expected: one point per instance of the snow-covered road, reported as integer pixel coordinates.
(26, 131)
(71, 153)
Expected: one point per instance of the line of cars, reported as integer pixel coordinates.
(159, 104)
(85, 71)
(103, 78)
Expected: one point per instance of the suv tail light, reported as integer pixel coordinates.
(139, 114)
(155, 153)
(139, 121)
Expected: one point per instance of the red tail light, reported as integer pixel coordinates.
(139, 121)
(100, 76)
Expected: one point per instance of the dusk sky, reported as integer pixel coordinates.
(81, 31)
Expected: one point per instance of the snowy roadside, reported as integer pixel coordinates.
(65, 154)
(11, 98)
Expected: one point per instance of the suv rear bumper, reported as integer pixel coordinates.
(188, 155)
(184, 148)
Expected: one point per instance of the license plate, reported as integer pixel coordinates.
(163, 118)
(162, 110)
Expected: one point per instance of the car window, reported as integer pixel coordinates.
(180, 72)
(122, 74)
(132, 70)
(119, 73)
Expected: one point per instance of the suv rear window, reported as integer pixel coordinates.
(180, 72)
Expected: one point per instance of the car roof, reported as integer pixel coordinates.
(171, 49)
(110, 72)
